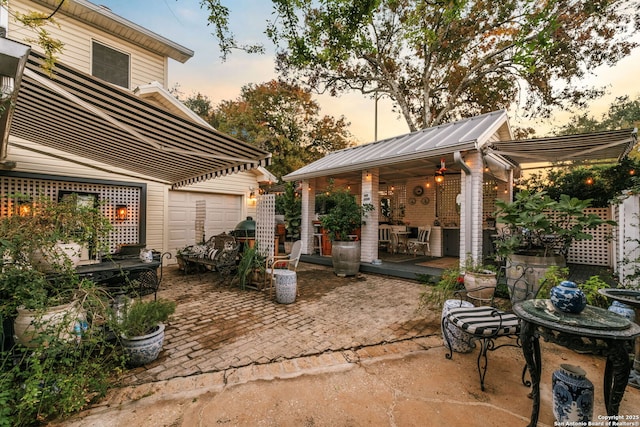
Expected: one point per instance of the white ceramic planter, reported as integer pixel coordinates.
(59, 320)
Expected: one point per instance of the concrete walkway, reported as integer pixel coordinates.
(348, 352)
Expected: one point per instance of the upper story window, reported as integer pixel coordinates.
(110, 65)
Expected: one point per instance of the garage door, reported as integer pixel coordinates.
(221, 213)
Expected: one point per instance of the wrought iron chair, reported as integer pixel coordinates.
(422, 242)
(487, 323)
(282, 262)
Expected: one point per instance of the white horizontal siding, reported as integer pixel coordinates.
(77, 38)
(157, 236)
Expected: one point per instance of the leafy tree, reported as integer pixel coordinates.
(37, 23)
(440, 60)
(600, 183)
(282, 119)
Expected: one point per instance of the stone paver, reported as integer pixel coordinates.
(218, 327)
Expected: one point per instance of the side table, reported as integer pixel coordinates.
(595, 329)
(286, 285)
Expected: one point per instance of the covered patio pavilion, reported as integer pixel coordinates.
(479, 160)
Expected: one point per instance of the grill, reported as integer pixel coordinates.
(246, 228)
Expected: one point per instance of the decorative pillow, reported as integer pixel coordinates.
(212, 254)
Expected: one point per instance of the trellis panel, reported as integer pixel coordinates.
(124, 231)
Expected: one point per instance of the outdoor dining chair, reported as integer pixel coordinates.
(421, 243)
(384, 237)
(487, 324)
(282, 262)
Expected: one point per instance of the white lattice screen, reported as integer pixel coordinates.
(201, 218)
(266, 224)
(448, 210)
(598, 250)
(125, 231)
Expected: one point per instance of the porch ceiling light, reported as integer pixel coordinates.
(439, 175)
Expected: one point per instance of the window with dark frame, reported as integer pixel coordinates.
(110, 65)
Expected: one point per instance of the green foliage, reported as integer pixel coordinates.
(251, 261)
(280, 118)
(471, 265)
(555, 275)
(623, 113)
(590, 289)
(46, 222)
(600, 183)
(345, 216)
(439, 290)
(539, 225)
(37, 23)
(140, 317)
(552, 277)
(439, 61)
(61, 374)
(291, 205)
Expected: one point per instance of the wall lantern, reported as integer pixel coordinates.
(24, 208)
(121, 212)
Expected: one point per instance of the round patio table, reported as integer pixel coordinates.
(595, 329)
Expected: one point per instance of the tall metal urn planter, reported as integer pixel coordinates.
(346, 258)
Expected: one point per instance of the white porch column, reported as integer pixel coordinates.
(471, 208)
(307, 215)
(369, 231)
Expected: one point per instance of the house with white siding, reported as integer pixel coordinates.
(104, 124)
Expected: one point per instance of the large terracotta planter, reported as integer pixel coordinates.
(524, 273)
(485, 279)
(345, 257)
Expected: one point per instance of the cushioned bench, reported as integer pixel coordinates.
(219, 253)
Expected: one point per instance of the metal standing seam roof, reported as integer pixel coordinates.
(79, 114)
(441, 140)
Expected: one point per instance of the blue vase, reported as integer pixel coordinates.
(572, 395)
(623, 310)
(568, 297)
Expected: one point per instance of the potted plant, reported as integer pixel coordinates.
(251, 266)
(48, 234)
(479, 280)
(538, 232)
(291, 206)
(344, 218)
(140, 325)
(29, 284)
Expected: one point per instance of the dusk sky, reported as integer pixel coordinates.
(184, 22)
